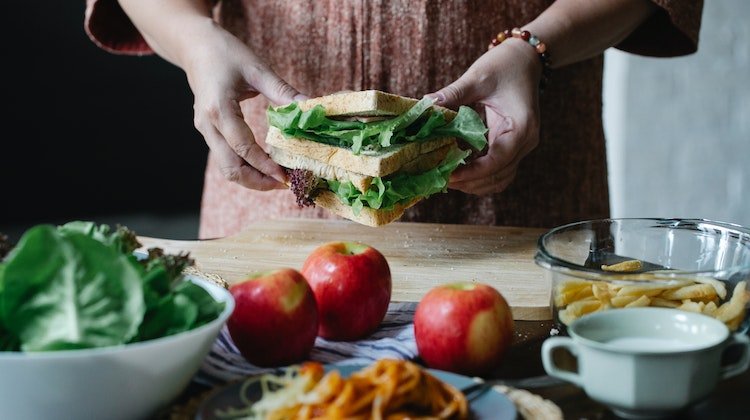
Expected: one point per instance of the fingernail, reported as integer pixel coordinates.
(438, 97)
(301, 97)
(281, 179)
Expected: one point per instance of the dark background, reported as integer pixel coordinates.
(93, 135)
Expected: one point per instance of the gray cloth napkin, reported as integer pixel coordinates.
(393, 339)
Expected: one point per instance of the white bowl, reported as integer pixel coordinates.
(128, 382)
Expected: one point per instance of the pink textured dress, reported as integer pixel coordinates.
(413, 47)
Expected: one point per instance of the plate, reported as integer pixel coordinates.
(490, 405)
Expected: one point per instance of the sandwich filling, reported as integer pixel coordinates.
(421, 123)
(401, 187)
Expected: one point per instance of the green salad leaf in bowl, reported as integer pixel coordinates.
(81, 285)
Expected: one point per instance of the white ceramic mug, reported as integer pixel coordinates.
(645, 362)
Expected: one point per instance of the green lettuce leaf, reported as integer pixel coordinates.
(188, 306)
(121, 239)
(313, 125)
(8, 342)
(385, 194)
(468, 126)
(170, 315)
(68, 291)
(436, 120)
(421, 122)
(388, 129)
(80, 286)
(208, 307)
(284, 116)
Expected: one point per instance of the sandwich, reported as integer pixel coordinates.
(369, 155)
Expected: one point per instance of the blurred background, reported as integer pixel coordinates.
(98, 136)
(678, 129)
(110, 138)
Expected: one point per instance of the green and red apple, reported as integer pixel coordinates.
(352, 286)
(463, 327)
(275, 319)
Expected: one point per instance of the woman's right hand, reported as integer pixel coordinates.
(222, 72)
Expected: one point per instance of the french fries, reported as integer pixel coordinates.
(695, 291)
(624, 267)
(575, 298)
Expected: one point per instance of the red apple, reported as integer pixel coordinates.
(352, 285)
(275, 319)
(464, 328)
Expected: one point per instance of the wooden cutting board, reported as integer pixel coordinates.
(421, 256)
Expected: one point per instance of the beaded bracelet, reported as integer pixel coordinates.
(535, 42)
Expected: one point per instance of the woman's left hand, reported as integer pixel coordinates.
(506, 81)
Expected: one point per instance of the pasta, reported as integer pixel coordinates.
(386, 390)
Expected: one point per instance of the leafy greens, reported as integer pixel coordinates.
(420, 123)
(385, 194)
(79, 285)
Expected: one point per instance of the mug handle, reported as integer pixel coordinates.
(742, 364)
(548, 348)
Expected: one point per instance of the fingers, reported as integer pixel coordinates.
(494, 172)
(460, 92)
(511, 108)
(235, 169)
(273, 87)
(221, 78)
(473, 85)
(240, 158)
(239, 137)
(492, 183)
(503, 148)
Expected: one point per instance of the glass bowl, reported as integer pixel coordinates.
(690, 264)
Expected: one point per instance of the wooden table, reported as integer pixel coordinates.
(418, 254)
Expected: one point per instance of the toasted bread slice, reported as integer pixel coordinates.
(318, 168)
(290, 160)
(381, 163)
(365, 103)
(367, 216)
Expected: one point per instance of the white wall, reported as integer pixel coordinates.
(678, 129)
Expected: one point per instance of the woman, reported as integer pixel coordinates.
(546, 164)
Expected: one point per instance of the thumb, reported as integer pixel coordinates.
(275, 89)
(460, 92)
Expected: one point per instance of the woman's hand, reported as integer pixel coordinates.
(506, 81)
(222, 72)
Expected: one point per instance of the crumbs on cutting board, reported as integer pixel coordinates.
(522, 336)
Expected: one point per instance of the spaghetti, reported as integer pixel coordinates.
(386, 390)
